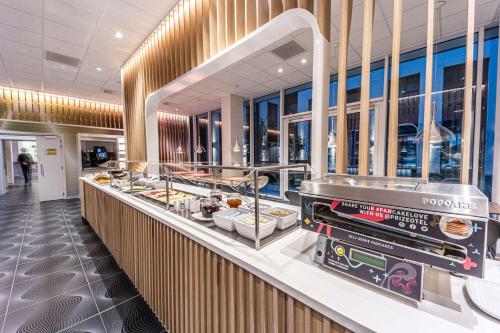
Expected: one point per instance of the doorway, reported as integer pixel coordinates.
(38, 157)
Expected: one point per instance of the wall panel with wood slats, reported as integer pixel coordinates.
(194, 31)
(173, 131)
(189, 287)
(28, 105)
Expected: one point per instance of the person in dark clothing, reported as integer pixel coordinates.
(25, 162)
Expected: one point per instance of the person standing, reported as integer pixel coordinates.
(24, 159)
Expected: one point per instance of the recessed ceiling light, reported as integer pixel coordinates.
(119, 34)
(176, 109)
(439, 4)
(280, 70)
(98, 69)
(304, 60)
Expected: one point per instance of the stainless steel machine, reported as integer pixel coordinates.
(383, 230)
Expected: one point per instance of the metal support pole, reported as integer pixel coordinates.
(257, 211)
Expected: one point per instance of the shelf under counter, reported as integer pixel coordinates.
(152, 245)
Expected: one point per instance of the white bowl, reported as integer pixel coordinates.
(283, 222)
(248, 230)
(224, 219)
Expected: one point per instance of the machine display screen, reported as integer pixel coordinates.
(368, 259)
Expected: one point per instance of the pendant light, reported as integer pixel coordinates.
(438, 133)
(332, 139)
(435, 137)
(236, 148)
(199, 148)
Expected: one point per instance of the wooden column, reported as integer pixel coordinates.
(428, 89)
(345, 27)
(324, 17)
(276, 8)
(364, 114)
(467, 117)
(392, 154)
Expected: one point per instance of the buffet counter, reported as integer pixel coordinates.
(195, 279)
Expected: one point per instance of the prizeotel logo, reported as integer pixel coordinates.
(448, 203)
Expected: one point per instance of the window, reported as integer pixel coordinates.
(201, 148)
(267, 139)
(353, 83)
(352, 142)
(216, 137)
(246, 133)
(267, 130)
(298, 99)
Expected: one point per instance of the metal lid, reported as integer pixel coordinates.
(412, 193)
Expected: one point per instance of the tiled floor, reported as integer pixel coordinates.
(57, 276)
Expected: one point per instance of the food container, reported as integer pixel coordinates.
(234, 200)
(245, 225)
(251, 206)
(225, 219)
(285, 217)
(216, 194)
(209, 206)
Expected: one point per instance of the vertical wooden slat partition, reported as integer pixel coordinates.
(173, 130)
(345, 27)
(28, 105)
(194, 31)
(392, 141)
(189, 287)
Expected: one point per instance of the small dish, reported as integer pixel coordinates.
(225, 219)
(200, 217)
(245, 225)
(285, 217)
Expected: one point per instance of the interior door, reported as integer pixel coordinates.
(51, 169)
(298, 141)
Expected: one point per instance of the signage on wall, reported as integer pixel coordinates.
(51, 151)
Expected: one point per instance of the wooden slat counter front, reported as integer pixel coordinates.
(188, 286)
(197, 280)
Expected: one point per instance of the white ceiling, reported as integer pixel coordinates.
(83, 29)
(257, 75)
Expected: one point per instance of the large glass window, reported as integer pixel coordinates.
(267, 139)
(353, 84)
(447, 111)
(216, 137)
(352, 142)
(267, 130)
(299, 150)
(201, 148)
(246, 133)
(298, 99)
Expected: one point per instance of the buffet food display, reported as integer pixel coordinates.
(229, 201)
(384, 231)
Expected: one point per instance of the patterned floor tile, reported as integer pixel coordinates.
(45, 287)
(132, 316)
(38, 268)
(100, 269)
(92, 251)
(53, 314)
(92, 325)
(113, 291)
(48, 257)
